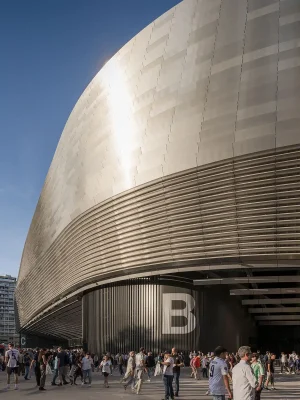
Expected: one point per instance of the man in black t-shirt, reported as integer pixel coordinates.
(150, 365)
(62, 366)
(178, 363)
(270, 372)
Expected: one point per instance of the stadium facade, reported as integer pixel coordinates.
(171, 210)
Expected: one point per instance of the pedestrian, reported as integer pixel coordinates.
(258, 372)
(73, 370)
(105, 368)
(43, 359)
(21, 363)
(168, 365)
(78, 371)
(244, 382)
(130, 372)
(270, 368)
(86, 365)
(35, 365)
(218, 375)
(283, 363)
(140, 366)
(62, 365)
(197, 366)
(120, 364)
(178, 363)
(11, 361)
(55, 369)
(27, 362)
(204, 364)
(150, 365)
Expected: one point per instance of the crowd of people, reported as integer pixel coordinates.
(243, 375)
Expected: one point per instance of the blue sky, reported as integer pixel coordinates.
(49, 51)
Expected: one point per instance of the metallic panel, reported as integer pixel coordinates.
(281, 323)
(183, 151)
(277, 317)
(268, 310)
(242, 280)
(122, 318)
(258, 292)
(249, 302)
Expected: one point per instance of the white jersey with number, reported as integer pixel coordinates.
(13, 357)
(217, 369)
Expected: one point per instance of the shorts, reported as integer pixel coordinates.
(105, 374)
(12, 370)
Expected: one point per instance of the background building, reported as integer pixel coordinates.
(8, 331)
(177, 170)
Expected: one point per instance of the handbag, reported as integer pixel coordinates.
(157, 369)
(48, 370)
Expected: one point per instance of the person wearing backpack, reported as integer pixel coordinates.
(12, 364)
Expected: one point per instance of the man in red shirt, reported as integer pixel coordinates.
(197, 366)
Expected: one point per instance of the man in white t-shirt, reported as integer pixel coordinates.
(168, 375)
(12, 364)
(218, 375)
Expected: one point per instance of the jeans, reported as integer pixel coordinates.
(204, 373)
(176, 377)
(219, 397)
(168, 382)
(55, 375)
(87, 373)
(150, 372)
(121, 369)
(27, 369)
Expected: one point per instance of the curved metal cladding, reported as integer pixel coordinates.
(183, 151)
(138, 314)
(162, 313)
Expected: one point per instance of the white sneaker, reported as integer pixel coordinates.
(89, 385)
(82, 383)
(148, 380)
(16, 387)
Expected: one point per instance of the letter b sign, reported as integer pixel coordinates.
(186, 313)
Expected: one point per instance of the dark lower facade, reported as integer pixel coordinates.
(159, 314)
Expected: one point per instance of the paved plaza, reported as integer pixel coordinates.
(288, 387)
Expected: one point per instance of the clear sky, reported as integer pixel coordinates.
(49, 52)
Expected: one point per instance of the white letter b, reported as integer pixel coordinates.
(185, 312)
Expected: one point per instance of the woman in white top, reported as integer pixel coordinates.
(105, 368)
